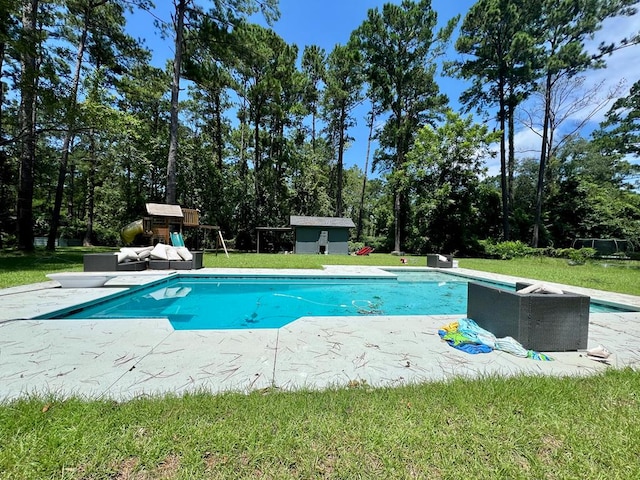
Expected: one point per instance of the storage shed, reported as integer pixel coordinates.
(323, 235)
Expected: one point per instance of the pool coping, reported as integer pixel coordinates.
(122, 360)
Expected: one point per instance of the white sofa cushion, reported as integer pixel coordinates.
(127, 254)
(184, 253)
(541, 288)
(172, 253)
(159, 252)
(143, 252)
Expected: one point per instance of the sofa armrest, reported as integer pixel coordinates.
(100, 262)
(108, 262)
(198, 259)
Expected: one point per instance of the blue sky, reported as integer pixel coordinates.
(330, 22)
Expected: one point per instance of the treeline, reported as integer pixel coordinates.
(249, 129)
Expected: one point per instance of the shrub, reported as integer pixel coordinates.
(575, 256)
(106, 236)
(580, 257)
(355, 246)
(244, 242)
(380, 244)
(507, 250)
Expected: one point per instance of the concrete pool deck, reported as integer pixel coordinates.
(124, 359)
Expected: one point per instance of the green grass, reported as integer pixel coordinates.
(266, 260)
(532, 427)
(622, 276)
(615, 276)
(18, 268)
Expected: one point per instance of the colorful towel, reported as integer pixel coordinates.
(462, 338)
(538, 356)
(459, 341)
(468, 336)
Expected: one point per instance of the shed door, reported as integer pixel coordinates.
(323, 241)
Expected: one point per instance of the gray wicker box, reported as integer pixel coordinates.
(539, 321)
(433, 260)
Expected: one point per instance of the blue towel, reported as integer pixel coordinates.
(460, 341)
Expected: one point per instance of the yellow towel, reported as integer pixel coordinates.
(452, 327)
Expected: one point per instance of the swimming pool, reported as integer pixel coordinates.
(197, 302)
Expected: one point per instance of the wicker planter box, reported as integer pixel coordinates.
(433, 260)
(539, 321)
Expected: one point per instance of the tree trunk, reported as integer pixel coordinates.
(364, 180)
(343, 116)
(245, 207)
(69, 134)
(313, 129)
(218, 134)
(397, 202)
(4, 210)
(511, 165)
(548, 174)
(257, 167)
(503, 163)
(172, 159)
(28, 86)
(543, 163)
(91, 189)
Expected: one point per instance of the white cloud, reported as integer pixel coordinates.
(622, 64)
(527, 144)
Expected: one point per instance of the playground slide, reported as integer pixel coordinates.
(129, 232)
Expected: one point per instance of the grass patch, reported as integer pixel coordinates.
(19, 268)
(622, 276)
(523, 427)
(266, 260)
(615, 276)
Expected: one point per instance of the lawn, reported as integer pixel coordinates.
(521, 427)
(615, 276)
(524, 427)
(622, 276)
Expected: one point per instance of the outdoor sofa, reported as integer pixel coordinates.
(195, 263)
(117, 262)
(550, 322)
(108, 262)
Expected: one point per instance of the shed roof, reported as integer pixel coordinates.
(163, 210)
(273, 229)
(301, 221)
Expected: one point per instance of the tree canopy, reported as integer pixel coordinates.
(250, 129)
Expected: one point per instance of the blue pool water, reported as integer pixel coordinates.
(193, 303)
